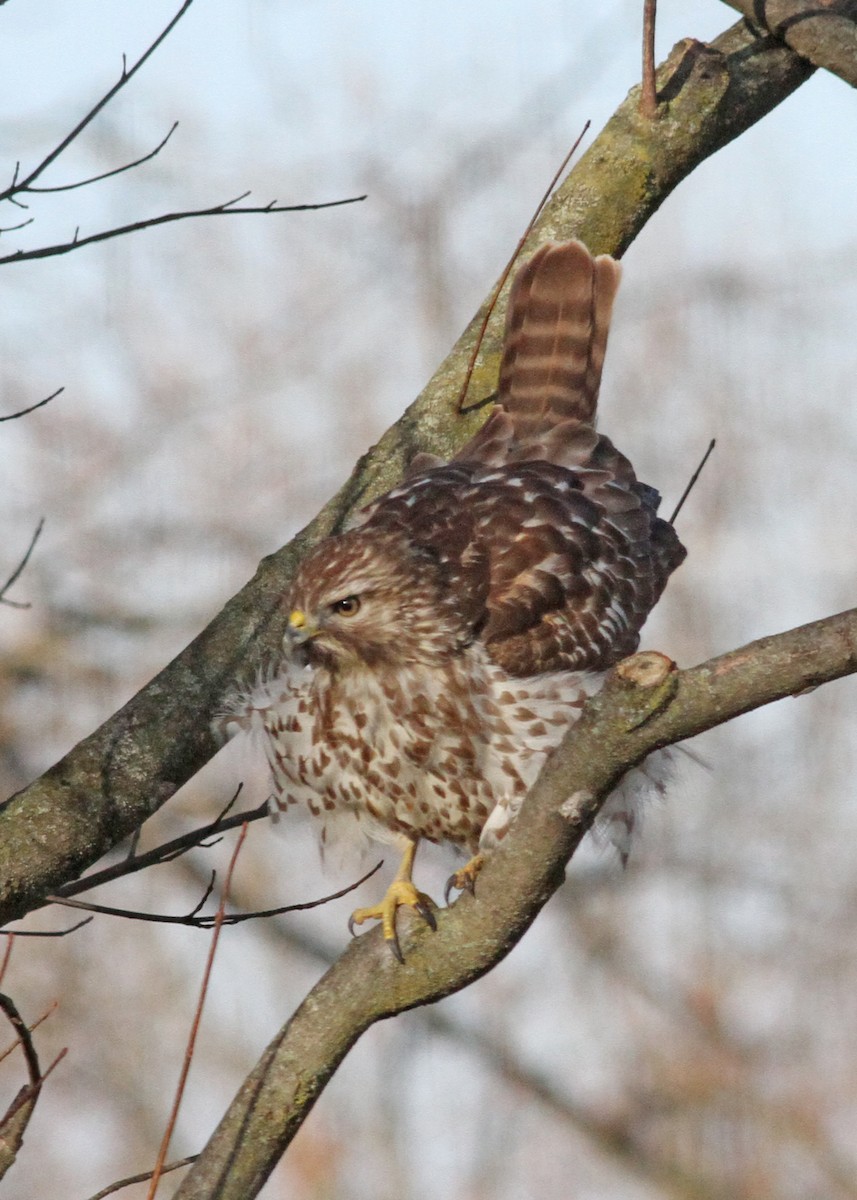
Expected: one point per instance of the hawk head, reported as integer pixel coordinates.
(371, 598)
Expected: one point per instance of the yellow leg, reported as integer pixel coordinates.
(465, 878)
(401, 892)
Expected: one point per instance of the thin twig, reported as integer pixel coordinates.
(648, 89)
(194, 921)
(39, 404)
(219, 922)
(217, 210)
(16, 574)
(492, 303)
(25, 184)
(692, 481)
(20, 225)
(24, 1039)
(52, 1007)
(30, 1093)
(129, 166)
(46, 933)
(7, 954)
(32, 1090)
(142, 1177)
(166, 852)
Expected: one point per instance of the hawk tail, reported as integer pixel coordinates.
(556, 336)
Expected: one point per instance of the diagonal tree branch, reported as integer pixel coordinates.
(614, 1134)
(824, 32)
(114, 779)
(646, 704)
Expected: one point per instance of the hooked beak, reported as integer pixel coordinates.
(301, 628)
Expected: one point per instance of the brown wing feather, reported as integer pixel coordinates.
(552, 569)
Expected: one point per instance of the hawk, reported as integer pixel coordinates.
(439, 648)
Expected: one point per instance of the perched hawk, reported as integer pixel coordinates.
(440, 647)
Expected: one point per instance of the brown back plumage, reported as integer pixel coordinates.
(550, 546)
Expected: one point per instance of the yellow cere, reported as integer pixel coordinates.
(297, 620)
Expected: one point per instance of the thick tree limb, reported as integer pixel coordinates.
(614, 1134)
(114, 779)
(824, 32)
(639, 710)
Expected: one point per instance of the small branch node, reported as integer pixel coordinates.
(648, 669)
(571, 807)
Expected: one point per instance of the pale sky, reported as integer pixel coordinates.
(221, 379)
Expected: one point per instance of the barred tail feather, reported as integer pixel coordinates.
(556, 337)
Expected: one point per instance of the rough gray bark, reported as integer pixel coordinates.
(113, 780)
(824, 32)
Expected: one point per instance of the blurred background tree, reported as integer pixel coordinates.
(682, 1029)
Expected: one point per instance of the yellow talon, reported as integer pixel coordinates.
(401, 892)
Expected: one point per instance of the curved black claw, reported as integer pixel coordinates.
(427, 915)
(394, 947)
(351, 924)
(460, 882)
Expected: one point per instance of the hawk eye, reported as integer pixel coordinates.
(347, 607)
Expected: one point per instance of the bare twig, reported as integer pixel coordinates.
(648, 90)
(219, 921)
(166, 852)
(142, 1177)
(228, 209)
(26, 184)
(24, 1039)
(20, 225)
(16, 574)
(28, 1094)
(129, 166)
(22, 412)
(7, 954)
(14, 1122)
(19, 185)
(52, 1007)
(195, 921)
(45, 933)
(692, 481)
(495, 296)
